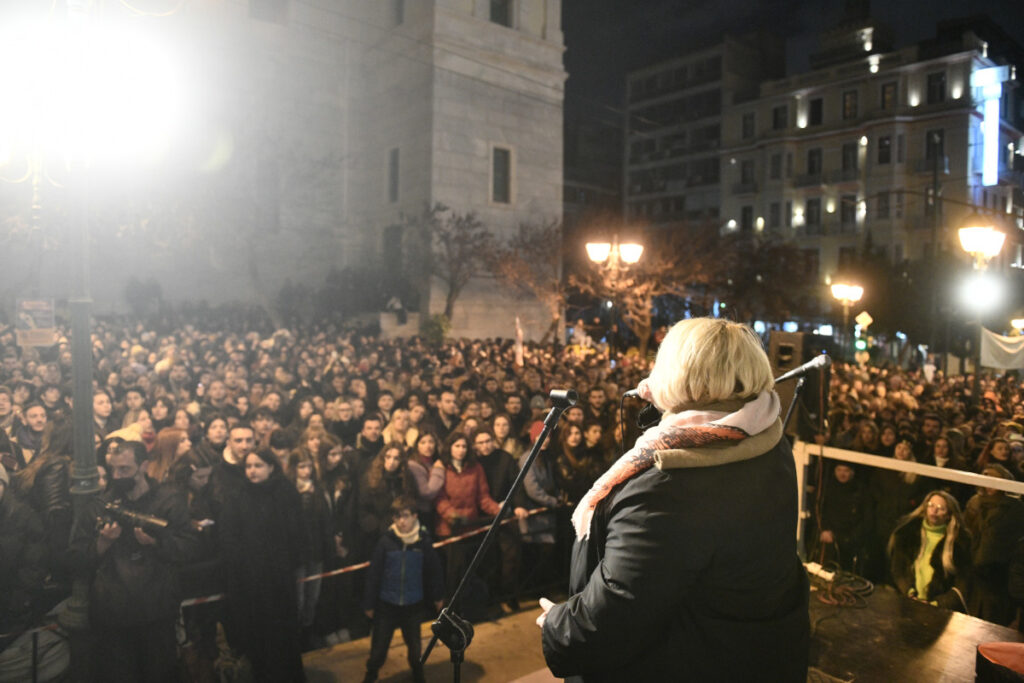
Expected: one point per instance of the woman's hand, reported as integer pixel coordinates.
(545, 605)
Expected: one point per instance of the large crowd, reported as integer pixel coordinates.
(267, 455)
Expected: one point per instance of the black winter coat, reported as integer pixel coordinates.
(135, 584)
(263, 546)
(690, 573)
(946, 590)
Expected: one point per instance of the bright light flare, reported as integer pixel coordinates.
(87, 93)
(982, 241)
(847, 294)
(631, 252)
(598, 252)
(981, 292)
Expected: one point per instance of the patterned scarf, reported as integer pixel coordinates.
(686, 429)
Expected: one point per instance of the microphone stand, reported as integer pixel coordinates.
(451, 629)
(792, 403)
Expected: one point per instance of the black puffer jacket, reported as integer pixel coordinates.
(690, 573)
(946, 589)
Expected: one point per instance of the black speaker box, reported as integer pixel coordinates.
(789, 350)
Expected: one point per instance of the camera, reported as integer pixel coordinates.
(112, 512)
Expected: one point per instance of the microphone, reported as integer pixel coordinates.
(632, 393)
(819, 363)
(566, 397)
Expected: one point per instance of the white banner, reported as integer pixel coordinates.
(1002, 352)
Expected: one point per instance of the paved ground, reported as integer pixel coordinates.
(507, 649)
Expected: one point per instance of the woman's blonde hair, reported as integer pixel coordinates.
(704, 360)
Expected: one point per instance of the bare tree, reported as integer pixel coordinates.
(766, 278)
(531, 263)
(460, 246)
(676, 260)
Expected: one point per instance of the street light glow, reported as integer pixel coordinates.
(631, 252)
(87, 92)
(847, 294)
(598, 252)
(980, 239)
(981, 292)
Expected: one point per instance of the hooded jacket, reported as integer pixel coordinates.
(690, 572)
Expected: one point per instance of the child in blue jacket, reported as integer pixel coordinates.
(404, 575)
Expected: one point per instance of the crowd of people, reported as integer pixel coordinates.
(235, 458)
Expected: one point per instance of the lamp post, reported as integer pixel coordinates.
(980, 239)
(846, 295)
(96, 95)
(614, 255)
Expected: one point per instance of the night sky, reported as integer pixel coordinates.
(605, 38)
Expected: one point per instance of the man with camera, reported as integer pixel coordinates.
(128, 549)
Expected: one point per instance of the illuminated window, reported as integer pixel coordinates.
(850, 104)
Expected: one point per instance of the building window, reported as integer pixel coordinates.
(884, 149)
(850, 104)
(934, 144)
(774, 216)
(747, 219)
(850, 157)
(789, 214)
(814, 162)
(816, 112)
(812, 216)
(936, 87)
(501, 176)
(775, 167)
(889, 93)
(748, 125)
(901, 148)
(275, 11)
(501, 12)
(882, 205)
(393, 175)
(746, 171)
(789, 164)
(848, 210)
(780, 117)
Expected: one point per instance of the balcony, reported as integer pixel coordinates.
(928, 165)
(809, 180)
(744, 188)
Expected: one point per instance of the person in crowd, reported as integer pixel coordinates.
(29, 434)
(23, 559)
(215, 438)
(445, 418)
(597, 407)
(342, 422)
(132, 571)
(504, 437)
(404, 577)
(995, 521)
(576, 472)
(45, 484)
(162, 413)
(400, 429)
(996, 451)
(387, 478)
(463, 501)
(317, 520)
(102, 410)
(428, 471)
(892, 494)
(227, 474)
(171, 444)
(930, 553)
(845, 521)
(368, 444)
(505, 556)
(264, 545)
(683, 588)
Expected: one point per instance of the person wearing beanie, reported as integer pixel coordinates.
(995, 521)
(403, 579)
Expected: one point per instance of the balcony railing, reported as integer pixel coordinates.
(809, 180)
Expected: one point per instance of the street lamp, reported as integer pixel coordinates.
(613, 254)
(89, 95)
(980, 239)
(847, 295)
(1018, 325)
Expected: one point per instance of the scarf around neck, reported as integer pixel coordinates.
(684, 430)
(408, 539)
